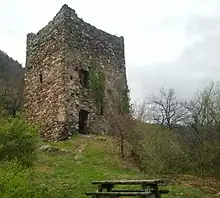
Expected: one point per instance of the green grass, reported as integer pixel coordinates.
(98, 159)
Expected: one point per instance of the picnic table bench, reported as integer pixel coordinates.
(150, 188)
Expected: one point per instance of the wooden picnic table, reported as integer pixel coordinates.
(154, 181)
(149, 187)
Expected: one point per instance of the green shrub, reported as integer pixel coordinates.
(18, 141)
(164, 151)
(159, 153)
(17, 181)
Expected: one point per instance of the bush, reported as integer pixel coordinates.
(18, 151)
(157, 149)
(165, 151)
(18, 141)
(17, 181)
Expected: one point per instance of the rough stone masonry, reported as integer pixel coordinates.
(74, 77)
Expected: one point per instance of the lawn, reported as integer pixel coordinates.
(85, 158)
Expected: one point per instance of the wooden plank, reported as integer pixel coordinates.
(162, 191)
(131, 182)
(119, 193)
(127, 190)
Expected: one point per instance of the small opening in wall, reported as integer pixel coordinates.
(71, 77)
(84, 78)
(102, 110)
(41, 78)
(83, 121)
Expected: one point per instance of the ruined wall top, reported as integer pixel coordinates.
(101, 41)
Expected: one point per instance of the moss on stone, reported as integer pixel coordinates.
(97, 84)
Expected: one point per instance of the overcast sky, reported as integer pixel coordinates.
(170, 43)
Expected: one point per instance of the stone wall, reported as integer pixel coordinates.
(60, 51)
(44, 86)
(89, 47)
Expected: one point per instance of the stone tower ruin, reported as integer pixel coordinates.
(74, 77)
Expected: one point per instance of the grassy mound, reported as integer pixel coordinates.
(68, 171)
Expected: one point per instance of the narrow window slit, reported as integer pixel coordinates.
(41, 78)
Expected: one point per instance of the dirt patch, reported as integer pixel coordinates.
(207, 185)
(80, 149)
(44, 168)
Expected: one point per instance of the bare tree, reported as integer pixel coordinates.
(121, 125)
(166, 109)
(140, 112)
(205, 109)
(128, 128)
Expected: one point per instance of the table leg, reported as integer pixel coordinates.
(100, 188)
(156, 191)
(145, 187)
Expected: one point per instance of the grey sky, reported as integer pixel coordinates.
(171, 43)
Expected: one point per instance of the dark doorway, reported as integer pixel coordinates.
(83, 120)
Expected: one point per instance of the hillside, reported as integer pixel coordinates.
(11, 83)
(69, 170)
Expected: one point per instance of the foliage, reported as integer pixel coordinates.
(63, 175)
(190, 147)
(125, 102)
(17, 141)
(164, 152)
(158, 151)
(17, 181)
(11, 81)
(99, 160)
(97, 84)
(18, 150)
